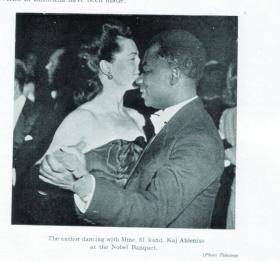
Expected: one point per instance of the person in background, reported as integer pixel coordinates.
(57, 98)
(224, 210)
(25, 111)
(52, 111)
(31, 62)
(52, 68)
(227, 130)
(26, 114)
(210, 89)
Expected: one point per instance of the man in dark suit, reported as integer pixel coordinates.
(26, 114)
(175, 182)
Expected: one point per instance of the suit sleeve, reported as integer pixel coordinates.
(193, 164)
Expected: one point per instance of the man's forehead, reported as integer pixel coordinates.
(151, 54)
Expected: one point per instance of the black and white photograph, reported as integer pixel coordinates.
(139, 130)
(125, 120)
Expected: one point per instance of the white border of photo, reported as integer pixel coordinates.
(257, 209)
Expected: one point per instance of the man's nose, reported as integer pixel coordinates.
(138, 82)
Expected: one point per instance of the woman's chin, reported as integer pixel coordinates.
(126, 85)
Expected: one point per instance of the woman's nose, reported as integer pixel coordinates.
(137, 61)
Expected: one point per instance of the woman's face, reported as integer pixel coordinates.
(53, 63)
(125, 66)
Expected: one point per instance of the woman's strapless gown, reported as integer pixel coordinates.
(113, 161)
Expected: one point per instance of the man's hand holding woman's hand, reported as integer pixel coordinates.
(64, 167)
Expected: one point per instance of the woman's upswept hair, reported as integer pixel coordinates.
(103, 47)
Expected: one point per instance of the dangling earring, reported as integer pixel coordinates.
(110, 76)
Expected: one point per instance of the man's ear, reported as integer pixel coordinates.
(175, 76)
(105, 67)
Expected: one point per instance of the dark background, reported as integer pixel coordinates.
(42, 33)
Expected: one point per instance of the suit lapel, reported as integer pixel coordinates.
(18, 135)
(153, 156)
(185, 116)
(25, 123)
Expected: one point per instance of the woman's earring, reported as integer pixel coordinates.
(110, 76)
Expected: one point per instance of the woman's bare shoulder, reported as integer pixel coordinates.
(74, 128)
(81, 115)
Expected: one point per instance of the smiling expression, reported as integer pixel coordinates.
(154, 81)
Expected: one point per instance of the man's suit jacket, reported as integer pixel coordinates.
(39, 122)
(22, 136)
(25, 123)
(175, 181)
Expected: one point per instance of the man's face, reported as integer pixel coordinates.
(53, 63)
(155, 79)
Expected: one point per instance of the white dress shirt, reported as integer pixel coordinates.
(18, 106)
(159, 119)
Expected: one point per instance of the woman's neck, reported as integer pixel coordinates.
(111, 97)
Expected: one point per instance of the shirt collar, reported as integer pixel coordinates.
(18, 106)
(160, 118)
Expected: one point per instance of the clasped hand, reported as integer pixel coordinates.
(63, 167)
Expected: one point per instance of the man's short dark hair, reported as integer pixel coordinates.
(183, 50)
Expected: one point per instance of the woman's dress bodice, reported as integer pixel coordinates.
(115, 160)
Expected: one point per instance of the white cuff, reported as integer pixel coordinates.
(84, 204)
